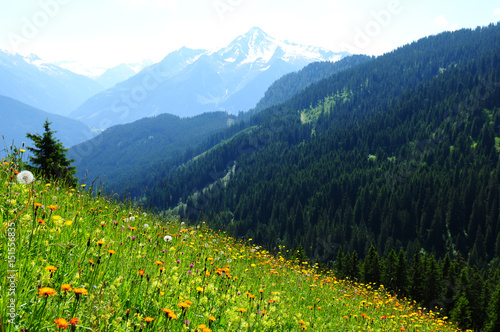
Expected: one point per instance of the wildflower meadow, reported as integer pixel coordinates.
(73, 259)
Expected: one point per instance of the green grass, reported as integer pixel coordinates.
(312, 114)
(133, 270)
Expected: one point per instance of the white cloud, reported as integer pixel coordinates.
(496, 11)
(443, 24)
(440, 22)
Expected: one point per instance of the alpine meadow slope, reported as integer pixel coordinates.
(87, 263)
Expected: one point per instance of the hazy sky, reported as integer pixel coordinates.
(109, 32)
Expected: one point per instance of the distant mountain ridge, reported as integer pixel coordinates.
(17, 119)
(45, 86)
(117, 152)
(120, 73)
(188, 82)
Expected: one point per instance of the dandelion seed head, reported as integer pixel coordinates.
(25, 177)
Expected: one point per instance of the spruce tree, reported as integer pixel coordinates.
(371, 267)
(49, 156)
(493, 323)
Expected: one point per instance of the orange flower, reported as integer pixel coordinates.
(111, 252)
(211, 318)
(166, 310)
(158, 263)
(66, 287)
(149, 319)
(132, 228)
(241, 310)
(51, 268)
(141, 272)
(37, 205)
(100, 243)
(47, 291)
(74, 321)
(172, 315)
(82, 291)
(61, 323)
(52, 207)
(183, 305)
(41, 222)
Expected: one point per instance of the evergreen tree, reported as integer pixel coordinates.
(432, 283)
(371, 267)
(461, 313)
(493, 323)
(389, 270)
(417, 277)
(49, 156)
(401, 280)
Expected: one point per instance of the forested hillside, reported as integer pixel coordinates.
(121, 153)
(398, 159)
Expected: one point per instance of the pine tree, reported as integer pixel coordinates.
(49, 156)
(401, 280)
(493, 323)
(371, 267)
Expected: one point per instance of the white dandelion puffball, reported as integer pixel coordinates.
(167, 238)
(25, 177)
(146, 226)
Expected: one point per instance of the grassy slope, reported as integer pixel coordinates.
(124, 261)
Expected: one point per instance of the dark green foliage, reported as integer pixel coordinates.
(461, 313)
(49, 157)
(401, 276)
(371, 267)
(432, 283)
(493, 323)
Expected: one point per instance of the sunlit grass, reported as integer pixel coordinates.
(89, 264)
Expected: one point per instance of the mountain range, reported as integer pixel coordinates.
(120, 73)
(188, 82)
(42, 85)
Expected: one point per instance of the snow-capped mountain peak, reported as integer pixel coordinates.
(258, 48)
